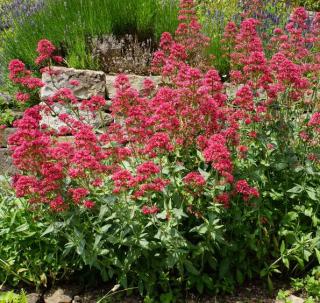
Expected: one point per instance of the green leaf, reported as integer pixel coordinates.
(190, 268)
(105, 228)
(22, 228)
(270, 284)
(178, 213)
(240, 277)
(312, 194)
(202, 229)
(200, 155)
(144, 243)
(290, 216)
(282, 247)
(203, 173)
(285, 261)
(281, 166)
(178, 168)
(296, 190)
(49, 230)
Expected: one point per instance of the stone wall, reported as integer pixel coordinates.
(6, 167)
(91, 83)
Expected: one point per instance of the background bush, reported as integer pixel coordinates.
(70, 24)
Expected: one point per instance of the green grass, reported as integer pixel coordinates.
(69, 25)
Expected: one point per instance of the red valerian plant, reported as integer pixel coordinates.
(173, 121)
(150, 128)
(178, 150)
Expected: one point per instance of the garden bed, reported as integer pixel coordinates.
(171, 188)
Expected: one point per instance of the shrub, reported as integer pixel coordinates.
(215, 15)
(190, 187)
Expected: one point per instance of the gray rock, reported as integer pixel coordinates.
(16, 114)
(291, 299)
(58, 297)
(6, 165)
(6, 98)
(76, 299)
(103, 121)
(33, 298)
(135, 81)
(91, 83)
(4, 134)
(94, 119)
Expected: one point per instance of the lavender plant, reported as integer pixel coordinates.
(17, 11)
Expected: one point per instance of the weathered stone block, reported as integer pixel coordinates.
(6, 166)
(59, 296)
(91, 83)
(4, 135)
(94, 119)
(135, 81)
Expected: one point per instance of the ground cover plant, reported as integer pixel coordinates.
(190, 188)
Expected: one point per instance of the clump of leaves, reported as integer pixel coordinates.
(11, 297)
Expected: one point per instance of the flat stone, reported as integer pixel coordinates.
(6, 98)
(76, 299)
(16, 114)
(33, 298)
(6, 165)
(105, 120)
(291, 299)
(94, 119)
(58, 297)
(4, 134)
(91, 83)
(135, 81)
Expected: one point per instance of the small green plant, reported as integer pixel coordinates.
(309, 284)
(6, 117)
(11, 297)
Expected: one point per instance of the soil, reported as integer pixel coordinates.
(250, 293)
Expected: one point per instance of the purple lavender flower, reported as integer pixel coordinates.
(17, 11)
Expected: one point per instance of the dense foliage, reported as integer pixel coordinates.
(193, 186)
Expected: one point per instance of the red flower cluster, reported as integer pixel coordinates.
(194, 180)
(46, 51)
(146, 210)
(242, 187)
(18, 74)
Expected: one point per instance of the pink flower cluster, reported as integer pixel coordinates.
(18, 74)
(247, 192)
(46, 52)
